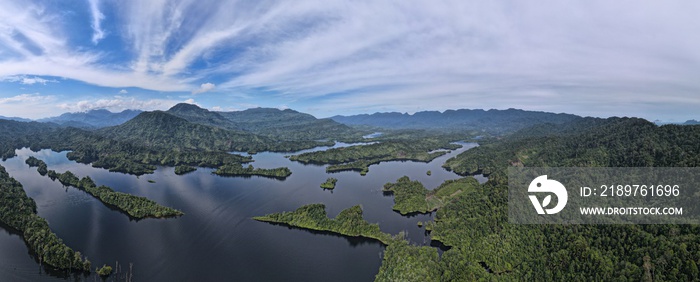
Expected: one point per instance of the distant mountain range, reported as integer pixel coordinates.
(15, 119)
(93, 118)
(492, 121)
(292, 125)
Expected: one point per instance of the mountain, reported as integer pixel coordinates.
(93, 118)
(193, 113)
(289, 124)
(164, 130)
(491, 121)
(691, 122)
(273, 123)
(15, 119)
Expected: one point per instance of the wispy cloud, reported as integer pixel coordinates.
(119, 103)
(35, 97)
(391, 55)
(97, 17)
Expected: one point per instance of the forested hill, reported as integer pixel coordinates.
(491, 121)
(193, 113)
(288, 125)
(93, 118)
(159, 129)
(608, 142)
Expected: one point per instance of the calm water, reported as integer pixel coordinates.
(216, 239)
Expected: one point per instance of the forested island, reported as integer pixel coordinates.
(359, 158)
(329, 184)
(135, 206)
(412, 197)
(19, 212)
(349, 222)
(239, 170)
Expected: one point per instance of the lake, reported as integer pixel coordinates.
(216, 239)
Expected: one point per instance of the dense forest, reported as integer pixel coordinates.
(19, 212)
(485, 246)
(360, 157)
(413, 197)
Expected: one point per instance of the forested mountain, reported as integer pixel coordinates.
(159, 129)
(193, 113)
(491, 121)
(289, 125)
(93, 118)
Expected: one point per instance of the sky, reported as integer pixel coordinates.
(327, 57)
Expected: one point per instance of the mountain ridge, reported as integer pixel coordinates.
(492, 121)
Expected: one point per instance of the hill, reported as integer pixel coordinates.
(93, 118)
(15, 119)
(160, 129)
(195, 114)
(288, 125)
(490, 121)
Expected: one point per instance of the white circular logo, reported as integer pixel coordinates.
(542, 184)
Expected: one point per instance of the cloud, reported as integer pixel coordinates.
(123, 91)
(23, 98)
(118, 104)
(28, 80)
(32, 105)
(573, 56)
(205, 87)
(97, 16)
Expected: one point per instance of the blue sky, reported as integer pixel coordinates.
(597, 58)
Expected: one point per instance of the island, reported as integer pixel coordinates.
(413, 197)
(329, 184)
(349, 222)
(360, 157)
(39, 164)
(18, 211)
(238, 170)
(134, 206)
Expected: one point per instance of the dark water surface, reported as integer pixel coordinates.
(216, 239)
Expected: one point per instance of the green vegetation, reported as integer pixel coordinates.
(134, 206)
(484, 246)
(349, 222)
(151, 181)
(105, 270)
(429, 173)
(139, 145)
(359, 158)
(39, 164)
(403, 262)
(184, 169)
(19, 212)
(412, 197)
(329, 184)
(238, 170)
